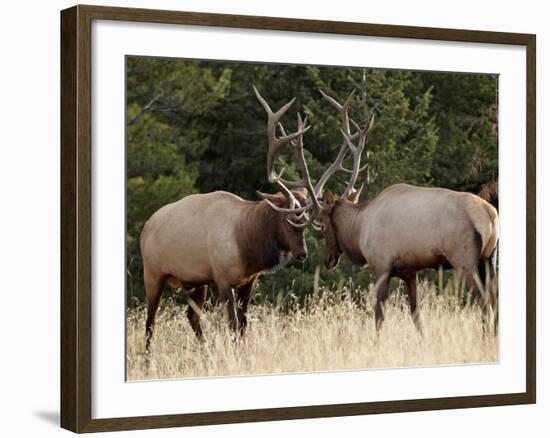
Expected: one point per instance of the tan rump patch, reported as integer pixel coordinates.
(485, 219)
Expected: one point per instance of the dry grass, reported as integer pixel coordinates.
(331, 332)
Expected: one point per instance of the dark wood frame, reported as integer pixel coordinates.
(76, 174)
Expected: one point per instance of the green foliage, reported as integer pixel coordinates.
(166, 139)
(465, 109)
(196, 126)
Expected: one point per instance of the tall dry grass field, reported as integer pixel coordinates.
(333, 330)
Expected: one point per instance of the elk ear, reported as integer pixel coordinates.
(354, 196)
(328, 200)
(301, 191)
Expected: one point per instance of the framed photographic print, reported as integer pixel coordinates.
(268, 218)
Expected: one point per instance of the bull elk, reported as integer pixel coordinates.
(219, 238)
(405, 229)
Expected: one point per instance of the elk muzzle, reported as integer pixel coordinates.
(300, 255)
(331, 261)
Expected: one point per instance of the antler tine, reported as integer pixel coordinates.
(355, 125)
(276, 116)
(350, 171)
(331, 170)
(356, 151)
(337, 166)
(335, 103)
(296, 143)
(288, 193)
(342, 109)
(347, 144)
(305, 182)
(371, 123)
(274, 142)
(294, 210)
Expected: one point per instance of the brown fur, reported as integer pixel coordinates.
(262, 236)
(215, 238)
(347, 213)
(406, 229)
(339, 226)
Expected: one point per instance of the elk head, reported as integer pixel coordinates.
(290, 227)
(327, 225)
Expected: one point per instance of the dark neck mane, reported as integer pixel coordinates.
(257, 237)
(344, 221)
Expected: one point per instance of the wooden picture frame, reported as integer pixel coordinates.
(76, 218)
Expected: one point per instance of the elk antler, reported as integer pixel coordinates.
(276, 143)
(356, 151)
(298, 147)
(295, 141)
(337, 166)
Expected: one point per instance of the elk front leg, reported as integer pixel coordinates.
(244, 294)
(411, 281)
(197, 297)
(227, 295)
(382, 288)
(154, 285)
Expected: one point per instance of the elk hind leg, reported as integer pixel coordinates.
(197, 298)
(487, 271)
(475, 285)
(494, 288)
(469, 269)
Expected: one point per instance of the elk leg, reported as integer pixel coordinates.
(228, 296)
(197, 297)
(153, 289)
(493, 288)
(382, 288)
(489, 301)
(412, 281)
(474, 284)
(244, 294)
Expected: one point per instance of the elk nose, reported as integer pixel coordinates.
(330, 262)
(301, 257)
